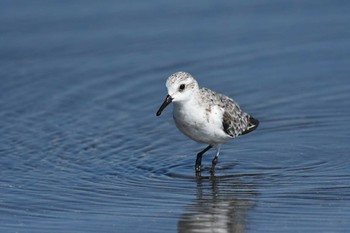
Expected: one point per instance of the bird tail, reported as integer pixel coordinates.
(252, 124)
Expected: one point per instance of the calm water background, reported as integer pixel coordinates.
(82, 150)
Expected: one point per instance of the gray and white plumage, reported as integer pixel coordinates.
(204, 115)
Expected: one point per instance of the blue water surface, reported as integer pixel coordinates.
(82, 150)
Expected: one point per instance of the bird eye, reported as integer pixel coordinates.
(182, 87)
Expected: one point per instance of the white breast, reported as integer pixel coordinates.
(201, 124)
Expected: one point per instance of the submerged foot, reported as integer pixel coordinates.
(198, 163)
(214, 162)
(199, 158)
(198, 168)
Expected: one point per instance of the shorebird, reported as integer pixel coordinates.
(204, 115)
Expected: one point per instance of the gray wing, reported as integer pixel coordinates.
(235, 122)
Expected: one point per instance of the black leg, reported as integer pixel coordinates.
(199, 158)
(215, 160)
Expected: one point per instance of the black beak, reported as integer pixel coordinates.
(167, 101)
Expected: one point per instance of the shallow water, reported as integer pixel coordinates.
(82, 150)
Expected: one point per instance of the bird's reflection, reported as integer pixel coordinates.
(221, 205)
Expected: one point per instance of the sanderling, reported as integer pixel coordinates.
(204, 115)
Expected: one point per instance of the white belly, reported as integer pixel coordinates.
(201, 125)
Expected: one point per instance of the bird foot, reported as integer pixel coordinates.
(198, 163)
(214, 162)
(198, 168)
